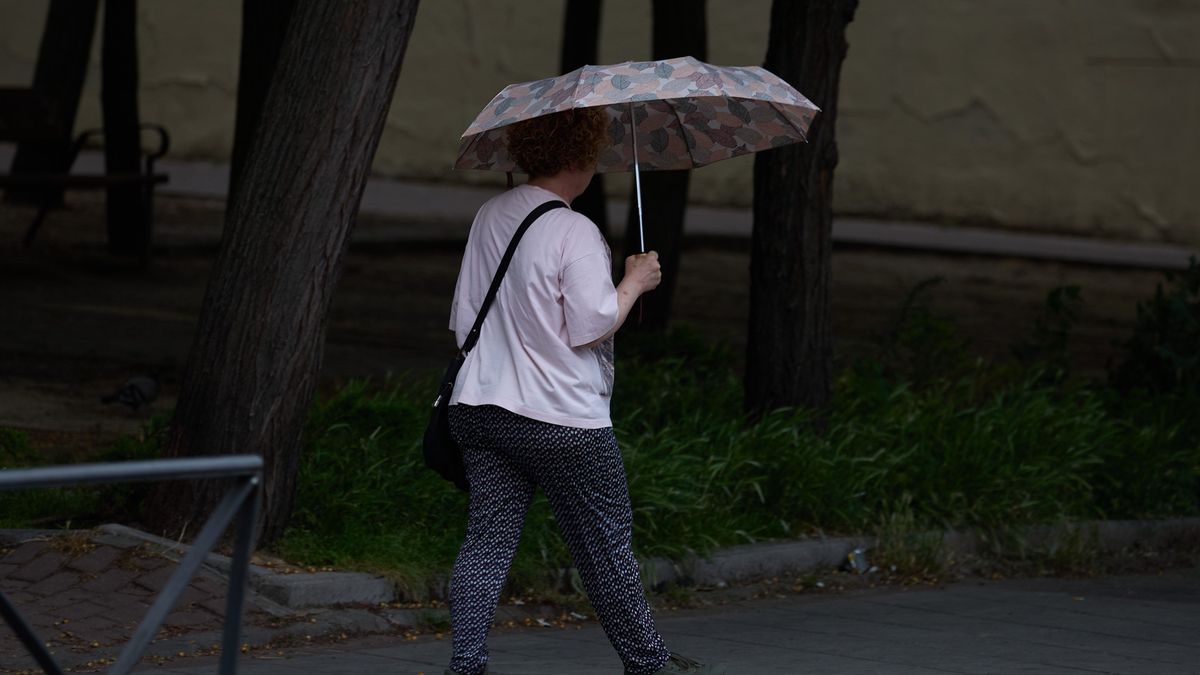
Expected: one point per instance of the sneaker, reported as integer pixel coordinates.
(682, 664)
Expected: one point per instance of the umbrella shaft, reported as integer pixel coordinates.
(637, 178)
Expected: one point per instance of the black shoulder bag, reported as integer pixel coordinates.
(442, 453)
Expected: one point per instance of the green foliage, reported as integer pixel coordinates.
(36, 508)
(364, 494)
(15, 450)
(920, 438)
(922, 345)
(1048, 342)
(146, 444)
(987, 448)
(1158, 473)
(903, 544)
(81, 506)
(124, 501)
(1163, 354)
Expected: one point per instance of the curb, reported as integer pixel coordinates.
(753, 561)
(726, 567)
(285, 592)
(288, 594)
(1107, 535)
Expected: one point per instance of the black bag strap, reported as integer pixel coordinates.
(473, 336)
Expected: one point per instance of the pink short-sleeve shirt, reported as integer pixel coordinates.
(556, 297)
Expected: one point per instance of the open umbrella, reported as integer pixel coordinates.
(672, 114)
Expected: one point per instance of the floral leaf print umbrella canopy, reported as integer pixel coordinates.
(687, 114)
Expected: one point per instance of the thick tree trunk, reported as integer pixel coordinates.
(128, 221)
(789, 355)
(679, 29)
(581, 35)
(253, 368)
(61, 69)
(264, 24)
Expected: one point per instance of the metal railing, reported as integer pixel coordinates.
(240, 501)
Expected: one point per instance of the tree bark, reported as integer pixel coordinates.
(789, 355)
(128, 220)
(264, 24)
(253, 367)
(679, 29)
(59, 76)
(581, 35)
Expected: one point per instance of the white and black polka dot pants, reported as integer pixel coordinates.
(507, 456)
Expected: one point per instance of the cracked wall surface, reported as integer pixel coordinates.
(1073, 116)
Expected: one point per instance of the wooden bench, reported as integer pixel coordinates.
(28, 117)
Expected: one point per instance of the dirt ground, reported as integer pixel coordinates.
(75, 323)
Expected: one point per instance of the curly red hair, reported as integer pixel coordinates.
(571, 139)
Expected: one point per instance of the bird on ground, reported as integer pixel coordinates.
(135, 393)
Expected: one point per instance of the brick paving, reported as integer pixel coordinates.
(86, 598)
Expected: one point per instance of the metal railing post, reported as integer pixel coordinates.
(29, 638)
(247, 519)
(169, 595)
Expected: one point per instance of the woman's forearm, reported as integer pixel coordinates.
(642, 273)
(627, 294)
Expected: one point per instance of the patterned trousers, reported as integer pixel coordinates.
(507, 456)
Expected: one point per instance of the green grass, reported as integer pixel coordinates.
(923, 436)
(74, 507)
(989, 448)
(36, 508)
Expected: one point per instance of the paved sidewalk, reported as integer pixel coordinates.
(85, 595)
(1141, 625)
(449, 208)
(438, 210)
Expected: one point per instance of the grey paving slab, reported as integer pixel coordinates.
(1047, 626)
(1153, 614)
(1030, 635)
(1001, 610)
(1069, 613)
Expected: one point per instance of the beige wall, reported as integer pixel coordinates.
(1077, 115)
(1068, 115)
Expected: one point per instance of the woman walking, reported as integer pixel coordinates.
(531, 404)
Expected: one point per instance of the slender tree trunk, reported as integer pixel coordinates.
(264, 24)
(581, 35)
(679, 29)
(789, 355)
(59, 76)
(253, 368)
(128, 221)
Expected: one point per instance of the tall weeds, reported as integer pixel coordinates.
(988, 448)
(921, 436)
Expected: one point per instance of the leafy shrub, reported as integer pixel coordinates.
(1163, 354)
(923, 345)
(990, 448)
(910, 443)
(1047, 344)
(15, 450)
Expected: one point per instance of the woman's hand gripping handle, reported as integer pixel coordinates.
(643, 273)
